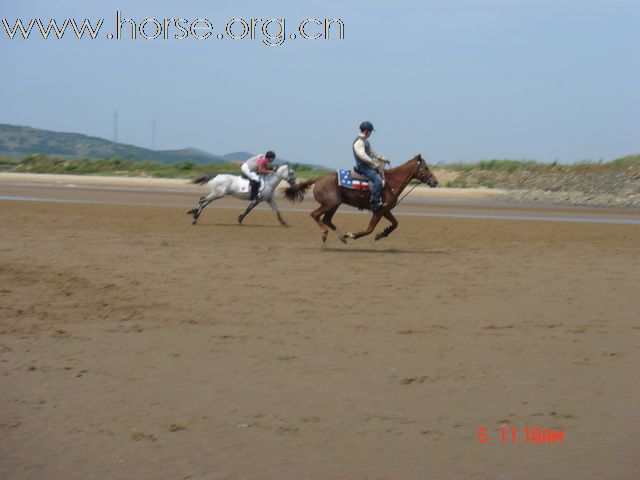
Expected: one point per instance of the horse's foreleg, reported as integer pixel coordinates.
(274, 208)
(372, 225)
(394, 224)
(246, 212)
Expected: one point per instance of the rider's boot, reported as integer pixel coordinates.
(260, 189)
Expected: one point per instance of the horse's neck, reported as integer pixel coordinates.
(400, 177)
(274, 179)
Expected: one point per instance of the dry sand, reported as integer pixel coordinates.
(136, 346)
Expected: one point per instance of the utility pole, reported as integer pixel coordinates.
(153, 134)
(115, 126)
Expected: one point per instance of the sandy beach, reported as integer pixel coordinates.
(135, 345)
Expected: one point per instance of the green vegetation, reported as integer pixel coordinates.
(495, 164)
(628, 161)
(487, 173)
(510, 166)
(129, 168)
(519, 174)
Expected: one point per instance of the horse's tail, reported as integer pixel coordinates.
(296, 192)
(203, 179)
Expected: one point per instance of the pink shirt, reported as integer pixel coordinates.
(263, 163)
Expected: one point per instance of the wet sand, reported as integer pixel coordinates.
(135, 345)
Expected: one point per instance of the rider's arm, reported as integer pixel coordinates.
(378, 157)
(358, 147)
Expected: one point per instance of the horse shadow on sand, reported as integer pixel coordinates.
(389, 251)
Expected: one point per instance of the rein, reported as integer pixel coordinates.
(407, 180)
(405, 195)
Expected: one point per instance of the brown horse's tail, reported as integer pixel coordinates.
(296, 192)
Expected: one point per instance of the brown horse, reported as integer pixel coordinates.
(331, 196)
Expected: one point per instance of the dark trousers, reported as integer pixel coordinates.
(254, 189)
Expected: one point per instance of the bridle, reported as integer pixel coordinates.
(290, 178)
(418, 170)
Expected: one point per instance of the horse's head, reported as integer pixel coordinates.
(285, 172)
(423, 173)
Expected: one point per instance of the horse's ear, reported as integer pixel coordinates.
(419, 157)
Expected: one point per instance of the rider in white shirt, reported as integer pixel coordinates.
(369, 164)
(256, 166)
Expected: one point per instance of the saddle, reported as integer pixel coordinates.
(243, 185)
(248, 186)
(352, 180)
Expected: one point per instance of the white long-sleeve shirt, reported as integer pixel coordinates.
(359, 149)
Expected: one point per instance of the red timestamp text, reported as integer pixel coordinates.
(535, 436)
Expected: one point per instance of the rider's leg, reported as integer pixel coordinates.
(254, 180)
(254, 189)
(376, 182)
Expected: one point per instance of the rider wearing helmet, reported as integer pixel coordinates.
(369, 164)
(254, 167)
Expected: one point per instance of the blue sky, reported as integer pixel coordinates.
(454, 80)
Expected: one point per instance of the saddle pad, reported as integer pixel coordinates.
(346, 180)
(243, 185)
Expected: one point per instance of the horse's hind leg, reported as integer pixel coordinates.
(327, 221)
(246, 212)
(202, 203)
(394, 224)
(316, 214)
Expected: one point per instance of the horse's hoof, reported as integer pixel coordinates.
(349, 236)
(195, 222)
(190, 212)
(286, 225)
(379, 236)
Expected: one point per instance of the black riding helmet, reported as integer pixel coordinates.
(366, 126)
(270, 154)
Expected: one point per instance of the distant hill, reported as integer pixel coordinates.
(237, 156)
(18, 141)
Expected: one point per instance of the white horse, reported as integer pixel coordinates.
(223, 184)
